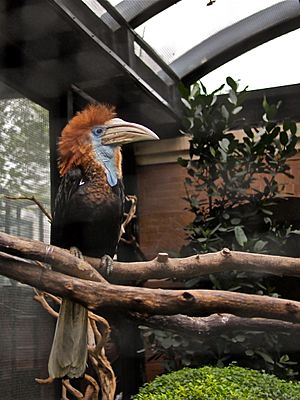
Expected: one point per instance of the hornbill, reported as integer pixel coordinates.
(88, 213)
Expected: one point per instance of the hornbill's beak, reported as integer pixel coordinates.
(120, 132)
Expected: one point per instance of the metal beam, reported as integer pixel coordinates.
(237, 39)
(47, 47)
(138, 12)
(121, 21)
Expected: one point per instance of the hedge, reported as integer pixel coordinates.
(212, 383)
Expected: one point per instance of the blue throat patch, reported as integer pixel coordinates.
(106, 155)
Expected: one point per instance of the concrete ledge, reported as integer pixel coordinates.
(168, 150)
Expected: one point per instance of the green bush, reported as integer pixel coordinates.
(210, 383)
(233, 182)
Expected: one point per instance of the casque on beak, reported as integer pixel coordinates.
(119, 132)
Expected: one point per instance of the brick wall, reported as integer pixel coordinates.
(161, 208)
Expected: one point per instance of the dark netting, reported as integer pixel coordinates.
(26, 333)
(26, 330)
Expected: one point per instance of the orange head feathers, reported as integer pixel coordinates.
(75, 141)
(95, 133)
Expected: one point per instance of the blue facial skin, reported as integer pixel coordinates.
(105, 154)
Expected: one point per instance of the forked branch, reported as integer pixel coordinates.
(99, 295)
(159, 268)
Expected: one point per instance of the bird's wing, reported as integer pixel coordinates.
(69, 185)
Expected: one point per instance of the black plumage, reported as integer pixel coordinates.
(84, 219)
(88, 214)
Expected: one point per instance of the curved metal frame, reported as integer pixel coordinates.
(237, 39)
(139, 13)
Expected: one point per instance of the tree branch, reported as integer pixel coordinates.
(60, 260)
(201, 328)
(96, 295)
(201, 264)
(159, 268)
(35, 201)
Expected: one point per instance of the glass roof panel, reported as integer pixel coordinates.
(268, 65)
(95, 7)
(187, 23)
(115, 2)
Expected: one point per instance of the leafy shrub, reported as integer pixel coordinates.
(232, 189)
(209, 383)
(232, 182)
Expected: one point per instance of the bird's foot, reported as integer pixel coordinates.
(76, 252)
(107, 264)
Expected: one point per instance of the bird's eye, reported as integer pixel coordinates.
(98, 131)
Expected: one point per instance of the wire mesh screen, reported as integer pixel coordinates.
(26, 329)
(24, 166)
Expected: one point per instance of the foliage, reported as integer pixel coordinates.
(232, 182)
(209, 383)
(232, 188)
(249, 349)
(24, 149)
(24, 166)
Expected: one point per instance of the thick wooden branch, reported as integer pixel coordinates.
(159, 268)
(202, 264)
(201, 328)
(230, 328)
(59, 259)
(96, 295)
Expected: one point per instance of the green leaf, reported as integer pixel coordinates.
(265, 356)
(259, 246)
(203, 88)
(183, 90)
(290, 125)
(295, 231)
(240, 236)
(215, 229)
(224, 144)
(236, 110)
(195, 89)
(265, 104)
(293, 127)
(235, 221)
(232, 83)
(182, 162)
(270, 126)
(284, 358)
(218, 89)
(249, 132)
(224, 112)
(267, 212)
(240, 338)
(212, 151)
(232, 97)
(186, 103)
(284, 138)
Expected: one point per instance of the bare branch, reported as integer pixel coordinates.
(40, 298)
(98, 295)
(35, 201)
(216, 324)
(92, 390)
(60, 260)
(160, 268)
(71, 389)
(201, 264)
(130, 215)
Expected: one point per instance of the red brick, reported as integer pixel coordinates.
(162, 211)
